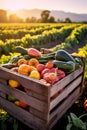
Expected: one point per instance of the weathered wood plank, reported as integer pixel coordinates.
(66, 80)
(25, 81)
(2, 94)
(22, 115)
(65, 92)
(58, 113)
(39, 105)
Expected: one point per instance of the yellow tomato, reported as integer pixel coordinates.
(13, 83)
(35, 74)
(16, 103)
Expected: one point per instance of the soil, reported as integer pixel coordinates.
(70, 50)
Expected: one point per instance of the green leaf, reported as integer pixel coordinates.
(68, 127)
(78, 123)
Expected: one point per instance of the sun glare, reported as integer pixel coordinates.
(15, 5)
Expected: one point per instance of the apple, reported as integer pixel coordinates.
(40, 67)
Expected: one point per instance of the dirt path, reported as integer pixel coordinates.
(70, 50)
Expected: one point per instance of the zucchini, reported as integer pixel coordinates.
(42, 61)
(9, 65)
(21, 50)
(63, 55)
(49, 54)
(15, 59)
(27, 57)
(79, 61)
(67, 67)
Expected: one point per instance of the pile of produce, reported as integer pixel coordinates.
(48, 68)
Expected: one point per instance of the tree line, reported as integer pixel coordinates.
(44, 18)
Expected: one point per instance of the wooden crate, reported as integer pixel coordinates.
(43, 111)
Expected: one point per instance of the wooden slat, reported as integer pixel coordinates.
(39, 105)
(2, 94)
(37, 95)
(3, 81)
(25, 81)
(58, 113)
(66, 80)
(65, 92)
(39, 114)
(22, 115)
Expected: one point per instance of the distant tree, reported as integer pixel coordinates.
(27, 20)
(44, 16)
(3, 16)
(51, 19)
(15, 19)
(84, 22)
(58, 20)
(68, 20)
(31, 20)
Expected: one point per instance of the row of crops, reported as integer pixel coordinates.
(37, 36)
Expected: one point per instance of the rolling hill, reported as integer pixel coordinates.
(57, 14)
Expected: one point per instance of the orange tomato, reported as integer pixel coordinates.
(49, 64)
(33, 62)
(23, 69)
(22, 61)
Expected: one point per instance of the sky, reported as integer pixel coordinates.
(75, 6)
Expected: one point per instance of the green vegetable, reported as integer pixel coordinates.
(42, 61)
(75, 123)
(63, 55)
(11, 98)
(15, 59)
(21, 50)
(27, 57)
(46, 57)
(66, 66)
(9, 65)
(79, 61)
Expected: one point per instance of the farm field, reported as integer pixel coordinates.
(70, 37)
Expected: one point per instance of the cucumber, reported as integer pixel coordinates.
(15, 59)
(42, 61)
(9, 65)
(67, 67)
(21, 50)
(63, 55)
(27, 57)
(79, 61)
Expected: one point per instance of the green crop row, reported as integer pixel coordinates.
(77, 34)
(18, 33)
(36, 41)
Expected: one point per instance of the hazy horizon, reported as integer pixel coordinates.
(73, 6)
